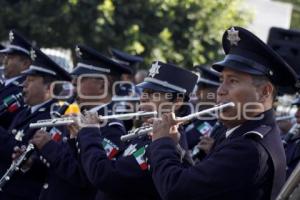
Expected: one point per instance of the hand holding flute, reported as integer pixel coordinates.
(169, 121)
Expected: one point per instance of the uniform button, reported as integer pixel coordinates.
(45, 186)
(44, 161)
(41, 157)
(78, 151)
(77, 144)
(48, 164)
(65, 139)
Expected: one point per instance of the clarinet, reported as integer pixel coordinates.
(137, 133)
(294, 130)
(17, 164)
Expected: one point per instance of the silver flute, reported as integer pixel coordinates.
(145, 130)
(62, 121)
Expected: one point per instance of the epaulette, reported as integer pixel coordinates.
(114, 123)
(260, 132)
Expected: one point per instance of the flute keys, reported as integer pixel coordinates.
(45, 186)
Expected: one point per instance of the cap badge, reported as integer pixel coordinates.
(32, 54)
(233, 36)
(11, 36)
(154, 69)
(78, 52)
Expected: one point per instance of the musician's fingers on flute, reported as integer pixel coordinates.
(41, 131)
(92, 118)
(40, 139)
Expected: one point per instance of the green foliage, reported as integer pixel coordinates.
(184, 32)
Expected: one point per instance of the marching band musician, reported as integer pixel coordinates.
(292, 146)
(127, 88)
(16, 59)
(40, 75)
(128, 177)
(249, 163)
(132, 62)
(94, 77)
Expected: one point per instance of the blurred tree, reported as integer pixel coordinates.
(184, 32)
(295, 22)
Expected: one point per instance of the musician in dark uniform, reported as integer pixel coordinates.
(200, 129)
(127, 91)
(291, 140)
(26, 184)
(16, 59)
(249, 163)
(128, 176)
(132, 62)
(95, 75)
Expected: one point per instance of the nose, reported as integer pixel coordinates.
(222, 90)
(25, 83)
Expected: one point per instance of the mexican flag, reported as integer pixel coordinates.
(14, 107)
(55, 134)
(205, 128)
(110, 148)
(139, 156)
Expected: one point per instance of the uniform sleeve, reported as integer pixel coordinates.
(62, 159)
(108, 175)
(229, 168)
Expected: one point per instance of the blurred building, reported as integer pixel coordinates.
(63, 57)
(268, 13)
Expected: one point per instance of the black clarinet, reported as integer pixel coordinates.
(17, 164)
(294, 130)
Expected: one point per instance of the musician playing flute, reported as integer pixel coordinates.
(128, 176)
(249, 163)
(93, 77)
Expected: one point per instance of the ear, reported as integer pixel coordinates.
(48, 86)
(266, 91)
(26, 64)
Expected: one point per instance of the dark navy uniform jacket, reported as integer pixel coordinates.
(66, 178)
(292, 151)
(123, 178)
(246, 165)
(13, 88)
(22, 185)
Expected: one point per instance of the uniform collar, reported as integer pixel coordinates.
(36, 107)
(268, 120)
(230, 131)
